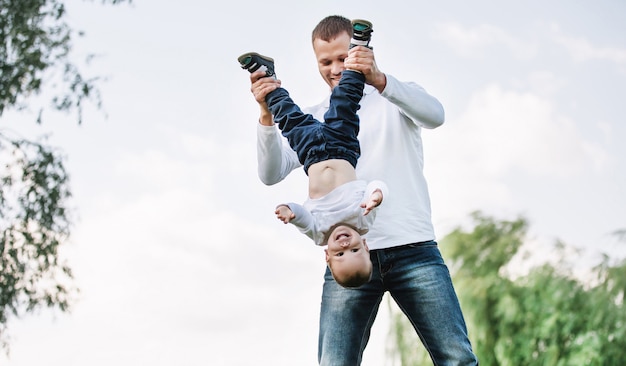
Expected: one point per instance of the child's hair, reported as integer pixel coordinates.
(355, 279)
(330, 27)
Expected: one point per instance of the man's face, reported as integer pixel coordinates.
(330, 56)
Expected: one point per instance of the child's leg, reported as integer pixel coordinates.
(286, 112)
(300, 129)
(345, 98)
(341, 118)
(344, 101)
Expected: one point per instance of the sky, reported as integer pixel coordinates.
(175, 247)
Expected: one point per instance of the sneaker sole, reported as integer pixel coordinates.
(367, 24)
(243, 57)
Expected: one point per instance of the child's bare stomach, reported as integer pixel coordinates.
(328, 175)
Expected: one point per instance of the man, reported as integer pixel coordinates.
(406, 260)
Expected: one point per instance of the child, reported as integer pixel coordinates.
(340, 208)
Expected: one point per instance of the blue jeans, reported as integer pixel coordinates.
(418, 280)
(314, 141)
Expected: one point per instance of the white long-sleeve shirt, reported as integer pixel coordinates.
(342, 205)
(391, 150)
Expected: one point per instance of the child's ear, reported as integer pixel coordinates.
(365, 245)
(327, 255)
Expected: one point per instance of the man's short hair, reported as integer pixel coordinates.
(330, 27)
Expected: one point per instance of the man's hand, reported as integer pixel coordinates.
(376, 198)
(260, 87)
(284, 214)
(362, 59)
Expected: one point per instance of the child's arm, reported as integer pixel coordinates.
(284, 213)
(375, 192)
(299, 216)
(376, 198)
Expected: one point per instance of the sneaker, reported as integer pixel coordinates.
(253, 61)
(361, 33)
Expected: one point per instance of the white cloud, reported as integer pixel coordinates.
(502, 130)
(582, 50)
(543, 83)
(165, 271)
(476, 42)
(500, 137)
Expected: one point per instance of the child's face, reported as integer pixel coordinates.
(347, 251)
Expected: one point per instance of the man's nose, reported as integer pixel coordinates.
(337, 68)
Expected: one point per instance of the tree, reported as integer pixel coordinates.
(34, 221)
(35, 47)
(546, 317)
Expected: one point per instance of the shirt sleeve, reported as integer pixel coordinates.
(374, 185)
(303, 220)
(414, 102)
(275, 158)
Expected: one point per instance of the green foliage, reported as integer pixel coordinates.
(33, 223)
(35, 42)
(545, 317)
(35, 47)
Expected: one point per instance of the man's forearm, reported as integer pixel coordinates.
(275, 159)
(415, 102)
(266, 118)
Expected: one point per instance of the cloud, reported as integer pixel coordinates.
(177, 270)
(479, 41)
(504, 129)
(583, 50)
(476, 42)
(502, 139)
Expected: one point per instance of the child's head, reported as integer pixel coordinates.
(348, 256)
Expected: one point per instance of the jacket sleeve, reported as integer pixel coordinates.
(414, 102)
(275, 158)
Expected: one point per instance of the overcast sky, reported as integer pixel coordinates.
(176, 249)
